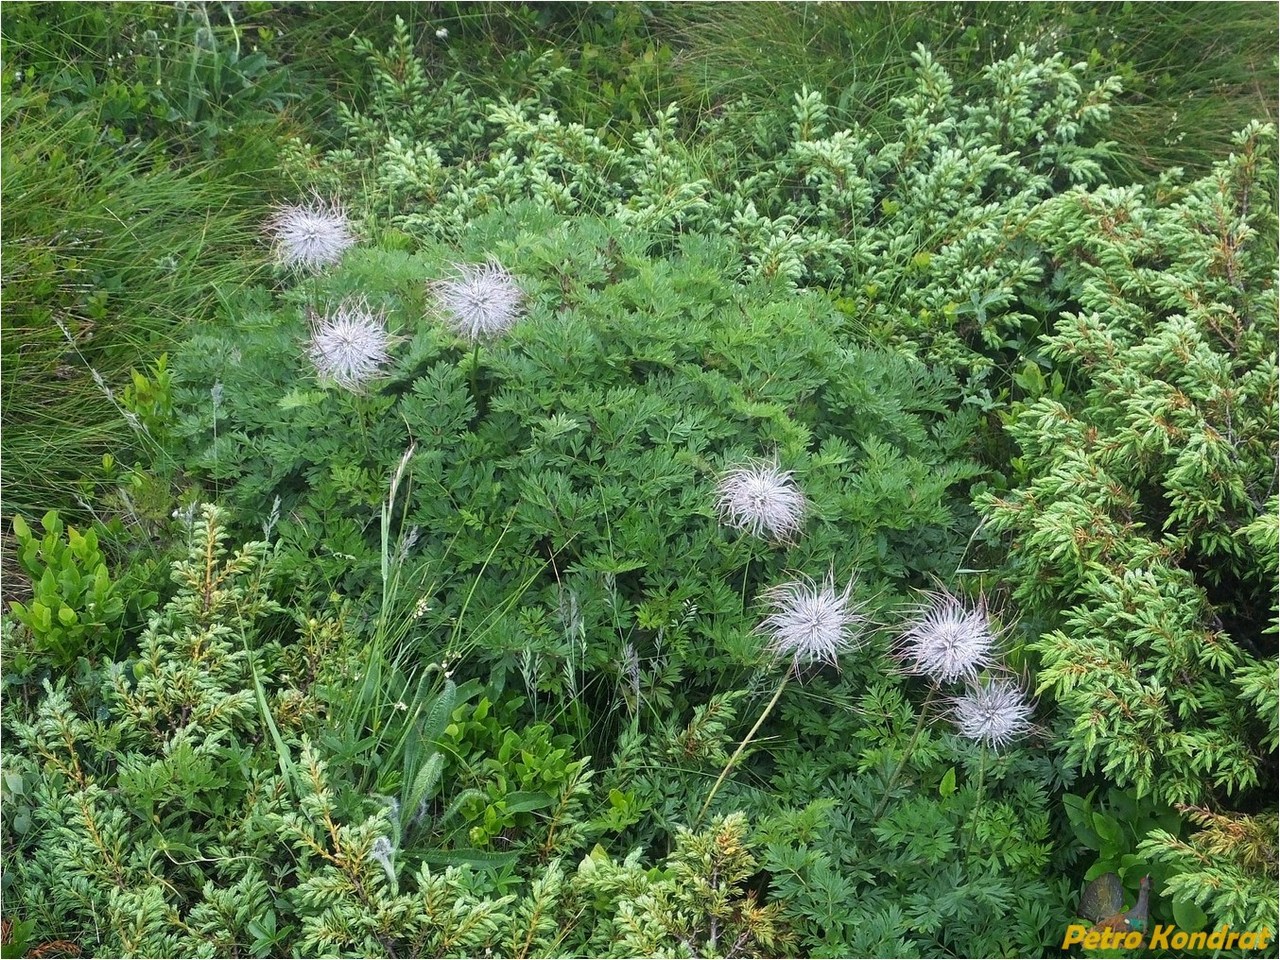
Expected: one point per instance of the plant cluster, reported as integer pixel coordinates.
(146, 817)
(74, 598)
(751, 531)
(1142, 509)
(923, 236)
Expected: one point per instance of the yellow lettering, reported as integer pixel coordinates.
(1248, 940)
(1232, 937)
(1263, 937)
(1091, 940)
(1160, 936)
(1179, 940)
(1197, 941)
(1218, 939)
(1133, 940)
(1074, 934)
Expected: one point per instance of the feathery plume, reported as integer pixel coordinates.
(812, 622)
(349, 345)
(947, 641)
(994, 713)
(310, 235)
(761, 498)
(482, 302)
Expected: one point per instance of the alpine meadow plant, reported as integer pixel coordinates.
(857, 305)
(480, 302)
(349, 345)
(813, 623)
(511, 623)
(993, 712)
(762, 499)
(310, 236)
(587, 485)
(589, 474)
(947, 641)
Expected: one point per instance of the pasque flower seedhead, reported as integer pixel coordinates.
(813, 622)
(947, 641)
(762, 499)
(994, 713)
(349, 345)
(481, 302)
(310, 235)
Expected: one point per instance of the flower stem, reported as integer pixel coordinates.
(977, 800)
(924, 710)
(475, 366)
(742, 746)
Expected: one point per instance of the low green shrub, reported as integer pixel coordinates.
(1142, 509)
(75, 608)
(922, 235)
(143, 817)
(1225, 873)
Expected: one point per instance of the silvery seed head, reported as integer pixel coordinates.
(310, 235)
(383, 852)
(762, 499)
(482, 302)
(947, 641)
(813, 622)
(994, 713)
(349, 345)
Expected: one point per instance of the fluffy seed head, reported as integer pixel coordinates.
(812, 622)
(483, 301)
(310, 235)
(947, 641)
(994, 713)
(349, 345)
(762, 499)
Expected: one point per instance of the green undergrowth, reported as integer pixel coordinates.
(463, 651)
(108, 251)
(1193, 73)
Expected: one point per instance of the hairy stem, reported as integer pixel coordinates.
(742, 746)
(924, 712)
(475, 367)
(977, 800)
